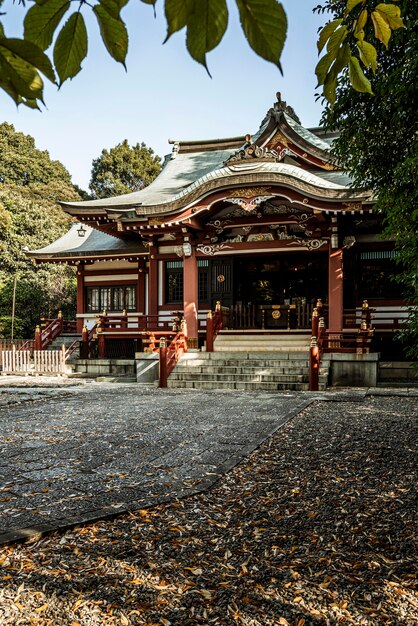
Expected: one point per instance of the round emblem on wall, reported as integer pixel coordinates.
(220, 278)
(276, 314)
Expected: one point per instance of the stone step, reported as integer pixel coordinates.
(254, 377)
(244, 357)
(114, 379)
(241, 386)
(251, 371)
(260, 343)
(294, 368)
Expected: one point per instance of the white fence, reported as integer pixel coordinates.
(36, 362)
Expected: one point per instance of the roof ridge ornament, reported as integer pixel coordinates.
(279, 107)
(252, 151)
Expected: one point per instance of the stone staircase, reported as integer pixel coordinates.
(262, 341)
(249, 363)
(106, 370)
(67, 339)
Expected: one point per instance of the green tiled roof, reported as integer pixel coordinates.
(93, 243)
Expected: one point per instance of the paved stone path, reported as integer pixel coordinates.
(70, 455)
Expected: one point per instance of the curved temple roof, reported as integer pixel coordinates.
(93, 243)
(196, 168)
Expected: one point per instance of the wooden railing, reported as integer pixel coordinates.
(170, 354)
(33, 362)
(243, 316)
(216, 320)
(132, 323)
(348, 341)
(16, 344)
(49, 329)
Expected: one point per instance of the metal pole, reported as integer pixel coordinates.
(13, 306)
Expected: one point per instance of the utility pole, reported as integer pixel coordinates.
(13, 306)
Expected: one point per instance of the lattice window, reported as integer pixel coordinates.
(115, 298)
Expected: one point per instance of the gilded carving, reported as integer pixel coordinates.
(279, 138)
(247, 192)
(352, 206)
(311, 244)
(210, 250)
(249, 205)
(329, 166)
(261, 237)
(252, 152)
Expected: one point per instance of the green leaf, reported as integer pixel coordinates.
(112, 7)
(41, 21)
(342, 59)
(177, 14)
(206, 26)
(360, 24)
(30, 52)
(357, 78)
(265, 25)
(70, 47)
(330, 87)
(114, 34)
(351, 4)
(392, 15)
(7, 86)
(23, 76)
(368, 54)
(323, 66)
(336, 39)
(382, 29)
(326, 33)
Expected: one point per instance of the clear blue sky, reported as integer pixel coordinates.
(165, 94)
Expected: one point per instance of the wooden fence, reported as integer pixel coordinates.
(36, 362)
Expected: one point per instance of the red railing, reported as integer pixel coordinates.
(216, 320)
(46, 336)
(170, 354)
(136, 323)
(348, 341)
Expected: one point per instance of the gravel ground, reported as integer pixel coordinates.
(315, 527)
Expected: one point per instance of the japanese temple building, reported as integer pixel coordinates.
(265, 224)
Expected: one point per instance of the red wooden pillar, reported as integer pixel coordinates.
(140, 289)
(80, 297)
(153, 281)
(190, 297)
(335, 290)
(163, 363)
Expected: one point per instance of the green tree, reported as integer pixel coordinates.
(378, 143)
(30, 185)
(123, 169)
(60, 25)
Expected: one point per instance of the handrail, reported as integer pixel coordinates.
(214, 324)
(88, 335)
(169, 355)
(46, 336)
(72, 348)
(354, 341)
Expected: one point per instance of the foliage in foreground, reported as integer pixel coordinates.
(378, 144)
(30, 186)
(264, 23)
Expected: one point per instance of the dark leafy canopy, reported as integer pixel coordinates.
(123, 169)
(30, 185)
(60, 24)
(378, 142)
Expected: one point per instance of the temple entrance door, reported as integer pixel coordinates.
(278, 291)
(221, 282)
